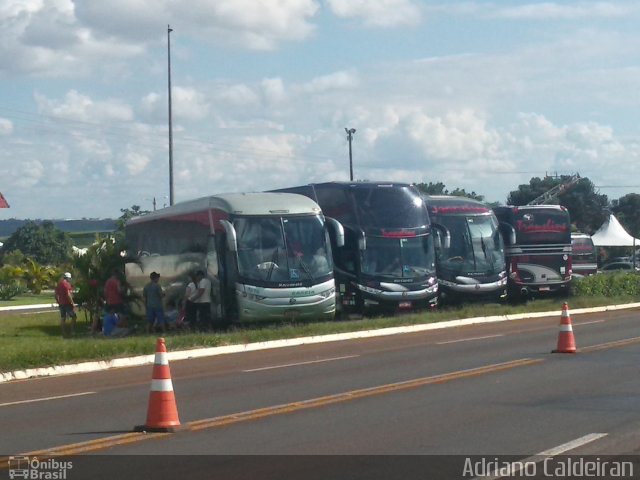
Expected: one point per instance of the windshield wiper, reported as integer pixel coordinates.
(274, 257)
(305, 269)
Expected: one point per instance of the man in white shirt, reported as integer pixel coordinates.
(202, 301)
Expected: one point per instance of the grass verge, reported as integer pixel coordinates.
(29, 340)
(29, 299)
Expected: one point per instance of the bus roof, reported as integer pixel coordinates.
(530, 207)
(254, 203)
(365, 184)
(346, 185)
(442, 204)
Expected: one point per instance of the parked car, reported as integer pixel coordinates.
(620, 265)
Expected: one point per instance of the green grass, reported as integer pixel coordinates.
(34, 340)
(29, 299)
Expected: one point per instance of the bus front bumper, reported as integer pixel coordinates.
(474, 288)
(320, 304)
(374, 298)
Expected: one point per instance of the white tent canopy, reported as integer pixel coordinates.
(612, 234)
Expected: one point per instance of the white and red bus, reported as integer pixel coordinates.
(267, 255)
(537, 248)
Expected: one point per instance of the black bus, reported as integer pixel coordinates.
(537, 248)
(387, 263)
(470, 264)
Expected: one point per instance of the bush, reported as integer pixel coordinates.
(608, 284)
(11, 289)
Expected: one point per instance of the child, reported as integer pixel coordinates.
(171, 315)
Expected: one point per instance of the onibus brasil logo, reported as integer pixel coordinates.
(32, 468)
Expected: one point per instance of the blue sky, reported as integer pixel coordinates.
(478, 95)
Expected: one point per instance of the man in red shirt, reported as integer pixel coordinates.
(64, 298)
(113, 293)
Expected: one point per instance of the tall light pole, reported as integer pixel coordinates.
(350, 132)
(169, 30)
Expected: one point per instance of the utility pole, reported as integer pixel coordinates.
(169, 30)
(350, 132)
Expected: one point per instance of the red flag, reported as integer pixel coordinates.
(3, 202)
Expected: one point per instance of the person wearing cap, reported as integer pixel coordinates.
(64, 297)
(153, 293)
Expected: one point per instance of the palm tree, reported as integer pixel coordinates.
(37, 276)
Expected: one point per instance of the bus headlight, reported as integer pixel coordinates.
(255, 298)
(373, 291)
(328, 293)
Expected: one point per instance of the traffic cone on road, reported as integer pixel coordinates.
(566, 342)
(162, 413)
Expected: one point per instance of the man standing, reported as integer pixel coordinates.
(153, 294)
(64, 298)
(202, 300)
(113, 294)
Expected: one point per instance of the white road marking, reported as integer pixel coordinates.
(560, 449)
(44, 399)
(578, 442)
(300, 363)
(470, 339)
(588, 323)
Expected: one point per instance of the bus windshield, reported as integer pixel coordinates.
(475, 245)
(410, 257)
(282, 249)
(583, 250)
(389, 208)
(542, 226)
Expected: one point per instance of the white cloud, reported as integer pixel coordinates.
(136, 162)
(66, 38)
(79, 107)
(190, 104)
(343, 80)
(378, 13)
(273, 90)
(558, 11)
(245, 23)
(238, 95)
(6, 126)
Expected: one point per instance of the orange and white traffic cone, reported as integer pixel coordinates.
(566, 342)
(162, 413)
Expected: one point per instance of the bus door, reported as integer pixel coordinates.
(346, 259)
(226, 248)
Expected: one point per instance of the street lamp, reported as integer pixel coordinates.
(169, 30)
(350, 132)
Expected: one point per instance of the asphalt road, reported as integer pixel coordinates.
(489, 390)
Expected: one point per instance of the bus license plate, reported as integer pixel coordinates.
(544, 289)
(404, 305)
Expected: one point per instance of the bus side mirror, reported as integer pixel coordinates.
(232, 238)
(442, 236)
(338, 230)
(508, 233)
